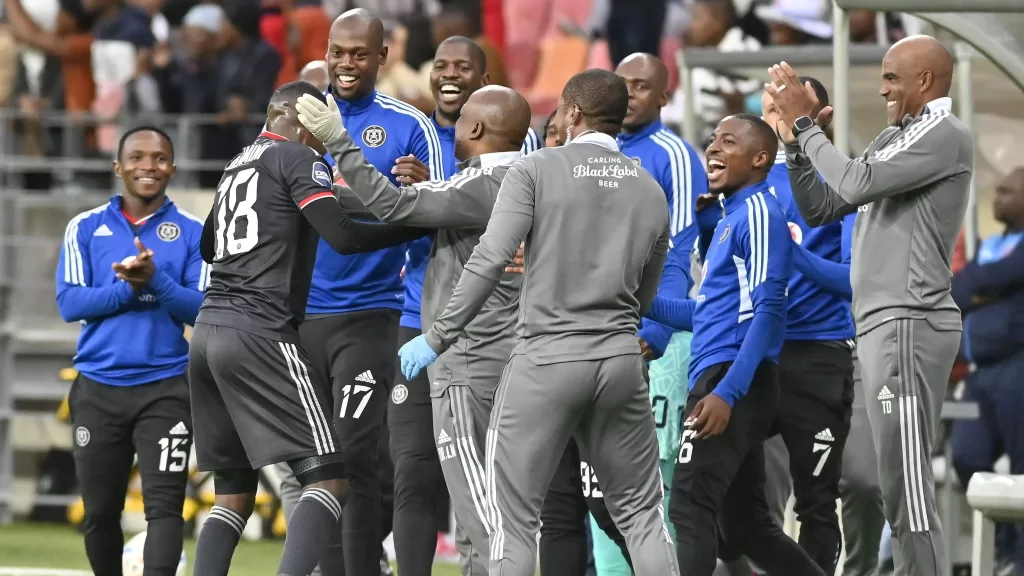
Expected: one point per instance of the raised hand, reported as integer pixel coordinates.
(322, 120)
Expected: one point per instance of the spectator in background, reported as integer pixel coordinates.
(275, 29)
(384, 9)
(714, 24)
(629, 26)
(310, 30)
(990, 293)
(187, 81)
(246, 73)
(122, 49)
(396, 78)
(794, 22)
(69, 41)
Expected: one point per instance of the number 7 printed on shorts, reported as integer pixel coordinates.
(348, 391)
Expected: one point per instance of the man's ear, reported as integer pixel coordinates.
(663, 99)
(477, 132)
(761, 159)
(117, 169)
(384, 55)
(485, 80)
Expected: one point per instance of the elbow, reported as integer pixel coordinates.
(67, 311)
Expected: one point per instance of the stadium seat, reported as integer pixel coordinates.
(995, 498)
(561, 57)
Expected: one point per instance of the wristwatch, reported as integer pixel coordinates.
(802, 124)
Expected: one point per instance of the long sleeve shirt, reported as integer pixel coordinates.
(814, 312)
(386, 129)
(596, 231)
(913, 180)
(459, 209)
(128, 337)
(677, 167)
(740, 311)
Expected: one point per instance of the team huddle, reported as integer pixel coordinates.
(519, 323)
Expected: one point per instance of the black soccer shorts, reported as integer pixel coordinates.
(255, 401)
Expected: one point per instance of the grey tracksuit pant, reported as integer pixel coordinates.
(905, 364)
(605, 405)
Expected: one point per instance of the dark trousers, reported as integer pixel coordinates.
(357, 350)
(635, 26)
(815, 407)
(111, 425)
(718, 490)
(977, 444)
(420, 493)
(563, 533)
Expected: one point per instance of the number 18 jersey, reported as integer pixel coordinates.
(264, 246)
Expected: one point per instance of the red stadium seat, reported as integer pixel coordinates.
(560, 58)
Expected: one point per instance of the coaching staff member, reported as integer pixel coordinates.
(131, 395)
(576, 367)
(913, 180)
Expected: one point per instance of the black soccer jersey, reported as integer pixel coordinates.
(264, 247)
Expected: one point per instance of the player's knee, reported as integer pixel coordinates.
(236, 490)
(105, 520)
(360, 461)
(326, 472)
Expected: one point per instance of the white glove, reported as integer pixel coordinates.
(322, 120)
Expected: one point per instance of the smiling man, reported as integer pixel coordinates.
(913, 182)
(131, 395)
(738, 321)
(357, 302)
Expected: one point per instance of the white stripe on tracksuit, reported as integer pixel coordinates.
(434, 155)
(318, 424)
(757, 222)
(469, 456)
(910, 428)
(682, 188)
(74, 264)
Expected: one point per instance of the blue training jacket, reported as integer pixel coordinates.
(680, 171)
(418, 254)
(746, 271)
(814, 314)
(385, 129)
(988, 292)
(129, 339)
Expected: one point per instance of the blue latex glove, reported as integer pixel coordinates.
(416, 355)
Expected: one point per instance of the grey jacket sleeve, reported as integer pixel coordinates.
(509, 225)
(456, 203)
(651, 277)
(817, 201)
(927, 152)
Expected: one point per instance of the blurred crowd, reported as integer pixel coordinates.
(114, 61)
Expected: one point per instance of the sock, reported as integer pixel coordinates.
(217, 541)
(163, 546)
(314, 520)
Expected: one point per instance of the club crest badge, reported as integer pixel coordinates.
(374, 136)
(82, 436)
(168, 232)
(399, 394)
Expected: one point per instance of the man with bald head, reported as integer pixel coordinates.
(356, 302)
(316, 74)
(489, 134)
(910, 188)
(596, 233)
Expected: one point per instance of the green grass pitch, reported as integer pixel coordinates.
(60, 547)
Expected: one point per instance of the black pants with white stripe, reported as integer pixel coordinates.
(111, 425)
(357, 352)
